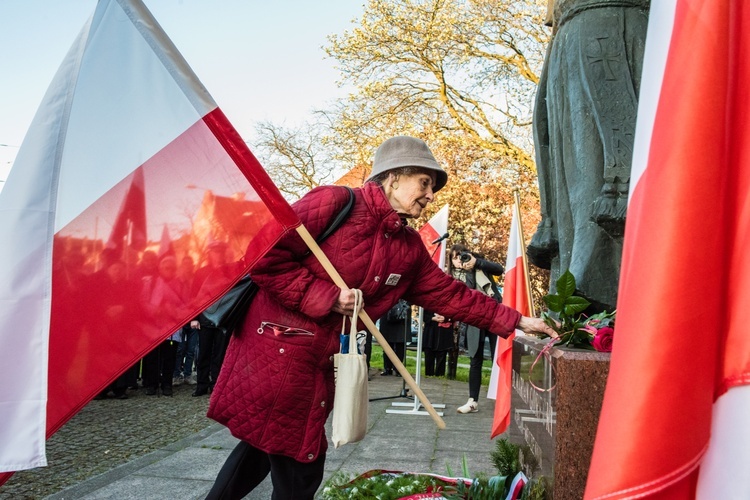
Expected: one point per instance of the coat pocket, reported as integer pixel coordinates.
(284, 333)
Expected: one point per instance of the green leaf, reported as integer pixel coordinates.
(566, 284)
(575, 308)
(465, 466)
(575, 304)
(550, 321)
(554, 302)
(601, 319)
(497, 487)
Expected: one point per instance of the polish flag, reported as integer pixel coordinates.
(674, 418)
(517, 486)
(434, 229)
(166, 247)
(129, 228)
(515, 295)
(123, 138)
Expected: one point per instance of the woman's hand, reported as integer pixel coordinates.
(345, 303)
(438, 318)
(535, 325)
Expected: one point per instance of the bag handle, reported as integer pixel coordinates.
(353, 321)
(340, 218)
(337, 221)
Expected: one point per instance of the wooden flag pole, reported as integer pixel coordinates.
(387, 350)
(523, 253)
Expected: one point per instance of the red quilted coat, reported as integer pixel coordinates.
(276, 386)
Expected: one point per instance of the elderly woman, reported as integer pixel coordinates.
(276, 387)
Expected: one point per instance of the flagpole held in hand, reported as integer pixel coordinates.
(387, 350)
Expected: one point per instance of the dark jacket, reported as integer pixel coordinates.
(489, 268)
(437, 336)
(395, 325)
(485, 285)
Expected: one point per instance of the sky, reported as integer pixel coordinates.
(261, 60)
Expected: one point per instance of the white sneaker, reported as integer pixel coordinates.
(471, 406)
(191, 380)
(177, 381)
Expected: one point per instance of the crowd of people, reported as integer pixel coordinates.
(139, 297)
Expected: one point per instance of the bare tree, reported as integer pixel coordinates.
(295, 159)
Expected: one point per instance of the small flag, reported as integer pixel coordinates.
(515, 295)
(129, 229)
(435, 229)
(166, 247)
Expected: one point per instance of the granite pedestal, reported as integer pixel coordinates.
(556, 402)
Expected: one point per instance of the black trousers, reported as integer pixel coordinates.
(400, 349)
(435, 363)
(211, 348)
(475, 365)
(246, 467)
(158, 365)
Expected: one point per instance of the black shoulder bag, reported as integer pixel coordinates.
(229, 311)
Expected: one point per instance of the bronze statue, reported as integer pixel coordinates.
(584, 120)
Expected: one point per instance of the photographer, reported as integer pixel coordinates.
(477, 273)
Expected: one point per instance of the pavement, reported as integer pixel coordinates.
(407, 441)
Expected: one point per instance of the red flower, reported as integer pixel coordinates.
(603, 339)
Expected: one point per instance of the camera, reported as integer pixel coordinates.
(464, 256)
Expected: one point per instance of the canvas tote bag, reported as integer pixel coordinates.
(351, 400)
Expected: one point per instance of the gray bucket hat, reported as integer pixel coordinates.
(405, 151)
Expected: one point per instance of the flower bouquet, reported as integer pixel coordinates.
(575, 328)
(395, 485)
(510, 483)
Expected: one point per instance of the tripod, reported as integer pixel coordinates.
(404, 390)
(416, 405)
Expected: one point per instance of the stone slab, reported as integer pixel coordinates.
(555, 411)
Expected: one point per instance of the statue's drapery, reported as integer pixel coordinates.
(584, 121)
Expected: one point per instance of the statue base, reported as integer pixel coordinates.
(555, 411)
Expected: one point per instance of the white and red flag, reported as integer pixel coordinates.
(516, 295)
(674, 418)
(129, 228)
(125, 143)
(436, 228)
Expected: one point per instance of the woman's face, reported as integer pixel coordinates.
(409, 194)
(456, 261)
